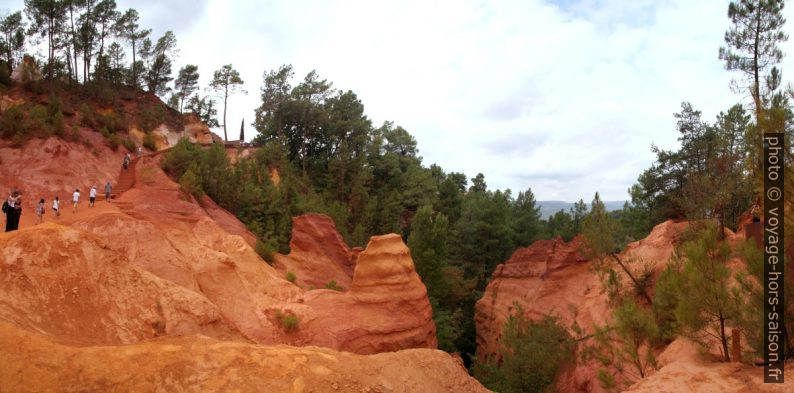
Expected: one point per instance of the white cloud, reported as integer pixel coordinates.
(563, 97)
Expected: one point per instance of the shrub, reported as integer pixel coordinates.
(150, 117)
(5, 74)
(291, 277)
(11, 122)
(266, 249)
(191, 184)
(178, 159)
(532, 352)
(290, 322)
(333, 286)
(114, 141)
(148, 142)
(87, 116)
(128, 143)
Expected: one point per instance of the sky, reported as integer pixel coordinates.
(563, 97)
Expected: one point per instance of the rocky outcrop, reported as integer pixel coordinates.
(71, 286)
(318, 254)
(552, 277)
(34, 363)
(45, 168)
(165, 234)
(683, 368)
(154, 264)
(386, 296)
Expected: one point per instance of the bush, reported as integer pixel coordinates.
(87, 116)
(532, 353)
(11, 122)
(291, 277)
(191, 184)
(290, 322)
(178, 159)
(333, 286)
(5, 74)
(148, 142)
(266, 249)
(114, 141)
(151, 117)
(129, 144)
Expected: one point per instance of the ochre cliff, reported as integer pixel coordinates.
(154, 264)
(552, 277)
(31, 362)
(318, 254)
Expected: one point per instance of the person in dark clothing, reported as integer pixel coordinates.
(13, 211)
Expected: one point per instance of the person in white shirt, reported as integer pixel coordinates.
(75, 199)
(92, 196)
(56, 207)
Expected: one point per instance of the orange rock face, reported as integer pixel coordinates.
(684, 369)
(155, 263)
(34, 363)
(318, 254)
(386, 287)
(551, 277)
(46, 168)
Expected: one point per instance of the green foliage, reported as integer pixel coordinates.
(5, 74)
(148, 142)
(707, 304)
(532, 353)
(526, 219)
(266, 249)
(332, 285)
(149, 117)
(751, 318)
(428, 244)
(623, 348)
(289, 322)
(665, 301)
(114, 142)
(190, 183)
(291, 277)
(128, 144)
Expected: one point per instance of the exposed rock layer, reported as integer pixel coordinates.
(33, 363)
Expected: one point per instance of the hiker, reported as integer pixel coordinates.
(40, 211)
(108, 189)
(13, 209)
(126, 162)
(92, 196)
(75, 199)
(140, 151)
(56, 207)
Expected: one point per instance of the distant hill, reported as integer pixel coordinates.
(548, 208)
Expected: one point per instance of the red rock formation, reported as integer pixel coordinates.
(684, 369)
(318, 254)
(164, 233)
(387, 302)
(45, 168)
(34, 363)
(155, 263)
(70, 285)
(551, 277)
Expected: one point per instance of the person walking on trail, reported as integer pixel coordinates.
(126, 162)
(56, 207)
(75, 199)
(140, 151)
(92, 196)
(12, 207)
(108, 189)
(40, 211)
